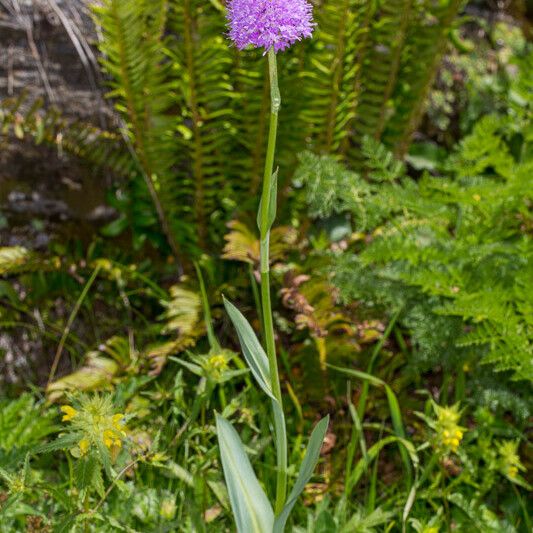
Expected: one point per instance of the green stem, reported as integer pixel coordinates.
(268, 325)
(257, 298)
(70, 321)
(370, 369)
(213, 341)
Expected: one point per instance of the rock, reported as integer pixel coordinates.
(38, 57)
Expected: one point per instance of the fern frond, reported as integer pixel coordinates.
(203, 92)
(425, 44)
(182, 320)
(369, 70)
(380, 70)
(133, 55)
(243, 245)
(333, 71)
(182, 311)
(23, 118)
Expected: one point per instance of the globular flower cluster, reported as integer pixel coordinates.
(216, 364)
(95, 422)
(269, 24)
(448, 432)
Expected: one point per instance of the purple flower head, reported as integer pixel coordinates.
(269, 23)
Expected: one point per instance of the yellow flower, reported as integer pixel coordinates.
(84, 445)
(95, 421)
(118, 421)
(158, 457)
(69, 411)
(112, 438)
(218, 362)
(448, 432)
(513, 471)
(476, 197)
(215, 364)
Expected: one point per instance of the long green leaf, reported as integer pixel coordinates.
(306, 471)
(253, 351)
(251, 508)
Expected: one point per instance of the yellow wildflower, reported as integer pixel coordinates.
(84, 445)
(476, 197)
(158, 457)
(69, 411)
(95, 422)
(448, 432)
(118, 421)
(217, 362)
(112, 438)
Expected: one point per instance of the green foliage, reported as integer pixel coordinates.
(446, 254)
(251, 508)
(370, 69)
(195, 110)
(454, 253)
(133, 55)
(200, 62)
(24, 423)
(20, 428)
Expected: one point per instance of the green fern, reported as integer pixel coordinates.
(195, 110)
(333, 71)
(370, 69)
(200, 64)
(454, 252)
(380, 68)
(133, 54)
(425, 44)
